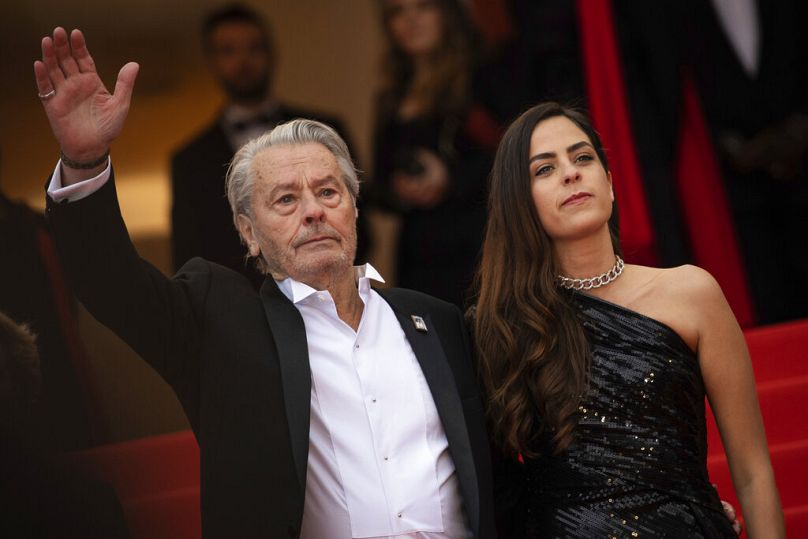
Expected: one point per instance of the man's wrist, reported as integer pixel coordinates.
(84, 164)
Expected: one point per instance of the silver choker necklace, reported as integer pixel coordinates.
(593, 282)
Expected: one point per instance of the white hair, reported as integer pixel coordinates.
(241, 176)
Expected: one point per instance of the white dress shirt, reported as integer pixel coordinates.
(741, 24)
(234, 115)
(379, 463)
(79, 190)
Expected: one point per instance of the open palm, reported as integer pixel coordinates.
(84, 116)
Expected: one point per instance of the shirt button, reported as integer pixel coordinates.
(373, 399)
(356, 346)
(386, 458)
(399, 515)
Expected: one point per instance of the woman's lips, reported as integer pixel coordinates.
(576, 198)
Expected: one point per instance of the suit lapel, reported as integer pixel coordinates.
(289, 333)
(428, 349)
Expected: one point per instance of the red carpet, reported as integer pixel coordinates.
(157, 478)
(157, 481)
(781, 372)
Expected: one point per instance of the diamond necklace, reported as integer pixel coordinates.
(593, 282)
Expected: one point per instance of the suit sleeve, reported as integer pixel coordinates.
(156, 316)
(186, 241)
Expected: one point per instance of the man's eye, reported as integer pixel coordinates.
(286, 199)
(328, 192)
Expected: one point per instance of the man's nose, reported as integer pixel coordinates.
(313, 211)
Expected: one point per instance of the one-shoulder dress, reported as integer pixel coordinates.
(637, 467)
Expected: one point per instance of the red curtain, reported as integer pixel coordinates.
(705, 209)
(704, 203)
(610, 116)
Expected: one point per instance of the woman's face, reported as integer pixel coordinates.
(571, 189)
(416, 26)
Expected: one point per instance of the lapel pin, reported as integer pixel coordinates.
(420, 325)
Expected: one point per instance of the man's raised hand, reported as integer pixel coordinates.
(84, 116)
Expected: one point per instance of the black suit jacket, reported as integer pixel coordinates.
(238, 362)
(201, 220)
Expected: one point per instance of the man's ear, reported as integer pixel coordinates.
(611, 185)
(245, 229)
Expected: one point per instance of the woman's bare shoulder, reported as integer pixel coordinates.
(687, 298)
(681, 283)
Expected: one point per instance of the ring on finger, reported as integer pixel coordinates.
(46, 95)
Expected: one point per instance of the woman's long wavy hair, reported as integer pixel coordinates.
(448, 89)
(534, 355)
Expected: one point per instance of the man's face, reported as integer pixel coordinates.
(240, 59)
(303, 217)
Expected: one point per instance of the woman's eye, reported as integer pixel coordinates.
(542, 170)
(286, 199)
(584, 157)
(328, 192)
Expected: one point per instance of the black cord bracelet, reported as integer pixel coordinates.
(86, 165)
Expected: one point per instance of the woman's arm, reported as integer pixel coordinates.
(730, 385)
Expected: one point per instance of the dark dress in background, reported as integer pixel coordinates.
(637, 467)
(438, 247)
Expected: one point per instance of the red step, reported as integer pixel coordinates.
(797, 521)
(779, 351)
(144, 467)
(167, 515)
(790, 470)
(781, 403)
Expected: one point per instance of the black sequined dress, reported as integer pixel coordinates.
(638, 465)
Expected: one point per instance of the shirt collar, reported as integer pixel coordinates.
(298, 292)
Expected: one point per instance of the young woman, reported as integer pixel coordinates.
(596, 370)
(434, 144)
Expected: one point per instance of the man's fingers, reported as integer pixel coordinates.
(126, 82)
(62, 48)
(82, 56)
(43, 82)
(51, 64)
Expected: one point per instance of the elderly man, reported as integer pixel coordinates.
(322, 407)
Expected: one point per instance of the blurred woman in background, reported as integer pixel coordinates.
(434, 145)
